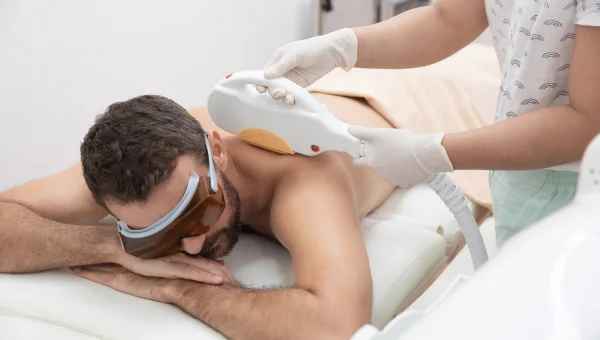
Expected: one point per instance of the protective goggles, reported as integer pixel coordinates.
(200, 208)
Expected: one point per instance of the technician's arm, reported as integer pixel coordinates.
(331, 297)
(418, 37)
(422, 36)
(32, 240)
(548, 137)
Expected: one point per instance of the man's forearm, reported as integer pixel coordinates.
(416, 38)
(31, 243)
(241, 313)
(540, 139)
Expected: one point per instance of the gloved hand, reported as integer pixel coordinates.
(305, 61)
(401, 157)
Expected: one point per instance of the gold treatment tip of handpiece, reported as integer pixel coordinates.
(266, 139)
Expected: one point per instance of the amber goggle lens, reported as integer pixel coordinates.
(203, 211)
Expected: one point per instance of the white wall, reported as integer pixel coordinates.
(63, 61)
(349, 13)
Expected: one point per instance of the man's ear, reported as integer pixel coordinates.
(219, 152)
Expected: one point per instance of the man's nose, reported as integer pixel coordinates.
(193, 245)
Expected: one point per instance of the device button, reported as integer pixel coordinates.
(229, 75)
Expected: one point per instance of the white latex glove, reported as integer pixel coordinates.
(306, 61)
(402, 157)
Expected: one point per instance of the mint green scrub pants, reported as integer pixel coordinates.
(520, 198)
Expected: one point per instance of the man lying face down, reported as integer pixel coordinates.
(138, 163)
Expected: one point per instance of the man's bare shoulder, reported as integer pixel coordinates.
(298, 173)
(368, 190)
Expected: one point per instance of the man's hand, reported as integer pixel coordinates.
(401, 157)
(178, 266)
(123, 280)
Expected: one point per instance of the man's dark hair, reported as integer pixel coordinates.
(134, 146)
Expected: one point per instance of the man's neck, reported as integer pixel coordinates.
(254, 183)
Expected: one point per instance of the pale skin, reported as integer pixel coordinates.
(311, 205)
(540, 139)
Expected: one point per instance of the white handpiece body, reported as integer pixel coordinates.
(308, 127)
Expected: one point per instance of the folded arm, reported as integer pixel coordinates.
(547, 137)
(38, 228)
(421, 36)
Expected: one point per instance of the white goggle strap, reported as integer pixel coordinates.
(212, 175)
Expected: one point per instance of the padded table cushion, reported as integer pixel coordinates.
(402, 243)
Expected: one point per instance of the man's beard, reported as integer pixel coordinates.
(223, 241)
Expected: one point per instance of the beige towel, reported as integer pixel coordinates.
(456, 94)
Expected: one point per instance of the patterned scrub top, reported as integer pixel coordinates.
(534, 41)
